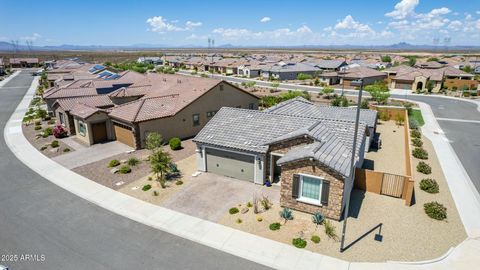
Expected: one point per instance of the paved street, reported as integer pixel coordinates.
(39, 218)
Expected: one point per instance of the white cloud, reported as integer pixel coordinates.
(478, 12)
(33, 37)
(403, 9)
(349, 23)
(265, 19)
(301, 35)
(455, 25)
(161, 25)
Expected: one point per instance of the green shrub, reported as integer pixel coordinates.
(435, 210)
(55, 144)
(249, 204)
(47, 132)
(429, 185)
(175, 144)
(38, 123)
(233, 210)
(113, 163)
(420, 153)
(133, 161)
(299, 243)
(124, 169)
(417, 142)
(315, 239)
(149, 178)
(415, 134)
(274, 226)
(318, 218)
(239, 220)
(155, 193)
(37, 127)
(330, 229)
(259, 219)
(413, 123)
(66, 150)
(286, 214)
(43, 148)
(179, 183)
(424, 168)
(146, 187)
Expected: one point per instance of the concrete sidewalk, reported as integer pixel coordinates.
(248, 246)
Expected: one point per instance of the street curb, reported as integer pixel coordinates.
(13, 75)
(226, 239)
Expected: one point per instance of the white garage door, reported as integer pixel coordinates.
(230, 164)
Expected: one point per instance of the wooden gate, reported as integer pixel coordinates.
(392, 185)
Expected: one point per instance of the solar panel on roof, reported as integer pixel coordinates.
(113, 77)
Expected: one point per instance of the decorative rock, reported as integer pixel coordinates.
(244, 210)
(123, 161)
(54, 150)
(114, 170)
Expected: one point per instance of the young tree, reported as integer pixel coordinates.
(154, 141)
(386, 58)
(327, 91)
(429, 86)
(159, 164)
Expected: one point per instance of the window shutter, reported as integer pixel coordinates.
(325, 192)
(296, 186)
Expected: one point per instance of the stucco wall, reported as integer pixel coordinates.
(181, 125)
(95, 118)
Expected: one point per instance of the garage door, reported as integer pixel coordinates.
(230, 164)
(124, 134)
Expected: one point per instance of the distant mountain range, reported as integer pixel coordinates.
(6, 46)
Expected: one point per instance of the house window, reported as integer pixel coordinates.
(196, 119)
(82, 129)
(211, 114)
(250, 106)
(310, 188)
(62, 118)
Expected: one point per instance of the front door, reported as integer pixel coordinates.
(99, 131)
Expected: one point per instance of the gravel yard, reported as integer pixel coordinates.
(38, 141)
(408, 233)
(390, 157)
(99, 172)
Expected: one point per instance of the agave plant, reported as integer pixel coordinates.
(286, 214)
(318, 218)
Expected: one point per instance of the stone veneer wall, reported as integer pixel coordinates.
(335, 199)
(284, 147)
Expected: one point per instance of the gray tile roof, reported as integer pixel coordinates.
(254, 131)
(328, 64)
(292, 67)
(302, 107)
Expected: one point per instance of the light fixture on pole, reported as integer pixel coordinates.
(352, 167)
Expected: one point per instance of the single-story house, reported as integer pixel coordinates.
(289, 71)
(329, 65)
(92, 124)
(180, 110)
(24, 62)
(252, 70)
(352, 77)
(150, 60)
(309, 157)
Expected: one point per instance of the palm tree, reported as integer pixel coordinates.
(159, 163)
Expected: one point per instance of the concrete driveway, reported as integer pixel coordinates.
(91, 154)
(209, 196)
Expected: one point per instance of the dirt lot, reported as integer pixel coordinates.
(99, 172)
(407, 232)
(38, 141)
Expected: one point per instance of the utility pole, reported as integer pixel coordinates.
(352, 167)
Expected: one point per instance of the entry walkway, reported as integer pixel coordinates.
(91, 154)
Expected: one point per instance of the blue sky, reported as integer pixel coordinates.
(293, 22)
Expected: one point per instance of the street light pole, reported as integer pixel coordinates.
(352, 167)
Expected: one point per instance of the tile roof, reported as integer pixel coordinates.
(329, 64)
(302, 107)
(97, 101)
(253, 131)
(148, 108)
(20, 60)
(84, 111)
(292, 67)
(360, 72)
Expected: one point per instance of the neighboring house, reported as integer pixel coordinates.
(181, 110)
(429, 65)
(128, 108)
(252, 70)
(150, 60)
(410, 78)
(353, 77)
(308, 156)
(24, 62)
(288, 71)
(329, 65)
